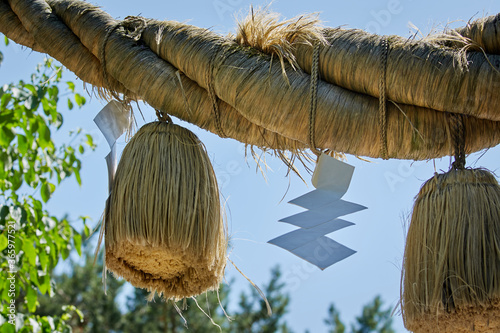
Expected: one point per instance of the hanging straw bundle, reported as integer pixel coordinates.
(451, 269)
(163, 226)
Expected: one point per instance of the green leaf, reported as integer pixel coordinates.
(6, 40)
(30, 251)
(4, 100)
(76, 171)
(58, 120)
(53, 93)
(8, 116)
(3, 242)
(37, 205)
(90, 141)
(45, 284)
(22, 144)
(70, 104)
(31, 88)
(79, 99)
(31, 103)
(81, 149)
(71, 86)
(6, 136)
(77, 239)
(44, 260)
(5, 290)
(65, 252)
(31, 298)
(8, 328)
(45, 191)
(79, 313)
(86, 231)
(16, 179)
(52, 250)
(34, 276)
(4, 211)
(44, 132)
(31, 178)
(48, 324)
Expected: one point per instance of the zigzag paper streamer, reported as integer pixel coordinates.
(331, 178)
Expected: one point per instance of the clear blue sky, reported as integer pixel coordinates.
(254, 204)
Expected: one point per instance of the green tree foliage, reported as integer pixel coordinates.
(159, 316)
(32, 166)
(83, 288)
(253, 316)
(373, 319)
(333, 321)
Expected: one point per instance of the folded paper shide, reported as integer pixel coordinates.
(163, 223)
(331, 179)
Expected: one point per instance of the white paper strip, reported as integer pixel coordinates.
(331, 178)
(308, 219)
(113, 120)
(297, 238)
(332, 174)
(316, 199)
(323, 252)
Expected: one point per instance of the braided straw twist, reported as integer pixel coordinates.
(458, 136)
(211, 92)
(383, 98)
(313, 95)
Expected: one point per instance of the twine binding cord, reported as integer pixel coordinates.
(163, 117)
(383, 98)
(134, 26)
(211, 92)
(458, 137)
(313, 93)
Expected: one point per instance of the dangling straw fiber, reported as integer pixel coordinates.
(163, 225)
(451, 269)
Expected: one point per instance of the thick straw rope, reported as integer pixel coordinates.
(256, 105)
